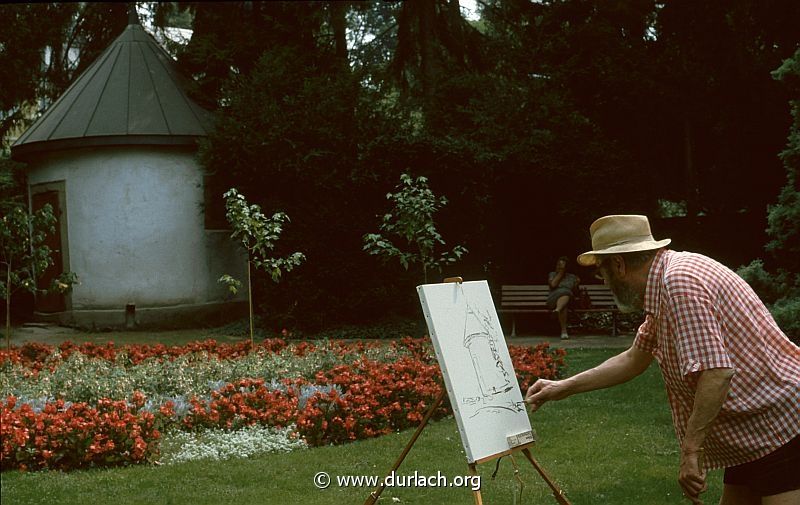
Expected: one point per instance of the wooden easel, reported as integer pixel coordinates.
(473, 467)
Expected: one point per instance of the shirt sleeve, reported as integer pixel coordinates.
(645, 337)
(698, 339)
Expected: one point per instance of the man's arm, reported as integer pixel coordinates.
(621, 368)
(712, 389)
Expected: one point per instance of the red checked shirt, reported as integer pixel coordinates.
(700, 315)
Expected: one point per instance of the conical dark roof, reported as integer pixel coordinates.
(131, 95)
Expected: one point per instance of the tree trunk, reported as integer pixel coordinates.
(8, 307)
(338, 12)
(427, 19)
(690, 173)
(403, 51)
(250, 300)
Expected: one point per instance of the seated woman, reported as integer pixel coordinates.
(562, 288)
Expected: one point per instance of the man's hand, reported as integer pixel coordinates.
(692, 477)
(545, 390)
(712, 389)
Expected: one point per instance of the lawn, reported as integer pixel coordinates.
(614, 446)
(55, 335)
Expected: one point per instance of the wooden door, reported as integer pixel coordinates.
(50, 302)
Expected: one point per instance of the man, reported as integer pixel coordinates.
(732, 376)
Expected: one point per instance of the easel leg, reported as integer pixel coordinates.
(557, 492)
(373, 496)
(473, 470)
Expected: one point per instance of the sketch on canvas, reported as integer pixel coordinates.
(493, 379)
(476, 366)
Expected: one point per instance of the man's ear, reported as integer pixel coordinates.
(618, 264)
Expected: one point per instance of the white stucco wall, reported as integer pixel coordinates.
(136, 232)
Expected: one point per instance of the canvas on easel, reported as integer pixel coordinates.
(476, 366)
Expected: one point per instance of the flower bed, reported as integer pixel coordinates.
(62, 436)
(89, 405)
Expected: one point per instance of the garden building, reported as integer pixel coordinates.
(115, 155)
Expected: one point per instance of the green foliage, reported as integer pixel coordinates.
(22, 247)
(233, 284)
(411, 220)
(12, 185)
(601, 322)
(786, 310)
(218, 57)
(669, 208)
(769, 286)
(783, 218)
(23, 255)
(258, 234)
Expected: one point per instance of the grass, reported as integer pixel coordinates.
(614, 446)
(56, 336)
(237, 331)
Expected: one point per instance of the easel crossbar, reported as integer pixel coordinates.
(505, 453)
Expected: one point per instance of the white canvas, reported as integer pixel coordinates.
(476, 366)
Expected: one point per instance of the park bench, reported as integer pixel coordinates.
(532, 299)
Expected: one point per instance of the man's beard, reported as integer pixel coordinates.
(627, 299)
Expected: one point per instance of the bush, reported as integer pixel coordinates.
(762, 282)
(601, 322)
(786, 312)
(780, 292)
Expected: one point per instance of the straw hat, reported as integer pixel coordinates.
(620, 234)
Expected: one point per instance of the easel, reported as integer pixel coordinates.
(473, 467)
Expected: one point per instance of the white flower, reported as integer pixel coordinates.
(221, 445)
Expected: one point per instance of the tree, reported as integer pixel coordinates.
(258, 235)
(781, 290)
(300, 132)
(218, 57)
(718, 101)
(432, 38)
(411, 221)
(44, 45)
(567, 109)
(24, 257)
